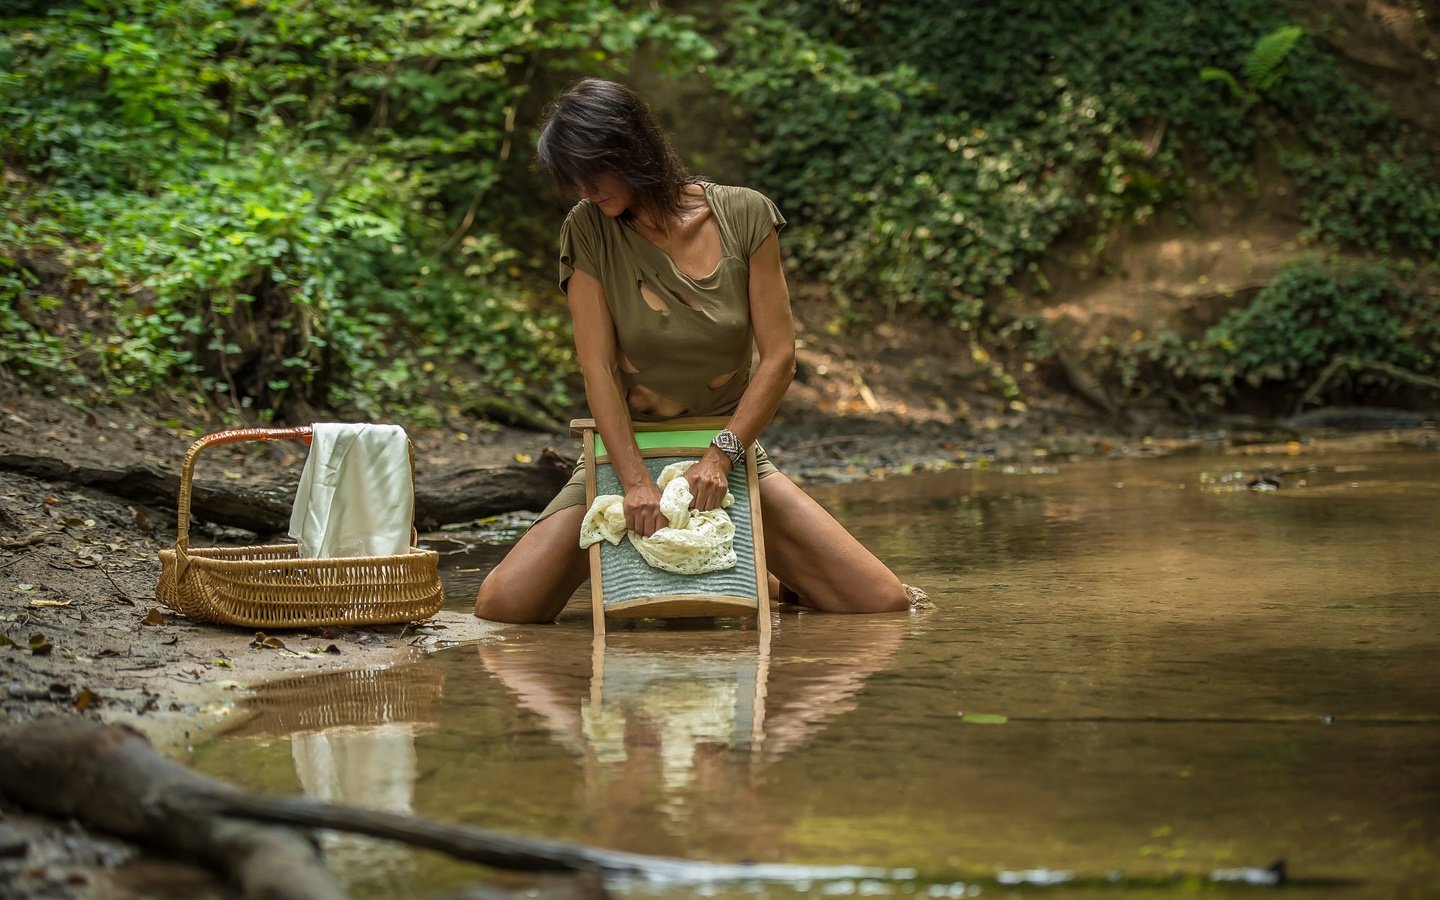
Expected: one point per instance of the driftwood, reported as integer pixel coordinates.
(111, 779)
(465, 494)
(1353, 364)
(440, 498)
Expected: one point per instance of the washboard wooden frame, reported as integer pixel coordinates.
(644, 592)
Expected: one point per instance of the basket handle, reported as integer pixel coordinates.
(187, 469)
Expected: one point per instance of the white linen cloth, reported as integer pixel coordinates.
(692, 544)
(356, 496)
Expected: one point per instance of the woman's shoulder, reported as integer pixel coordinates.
(586, 225)
(584, 214)
(750, 213)
(735, 195)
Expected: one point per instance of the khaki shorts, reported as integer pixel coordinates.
(573, 493)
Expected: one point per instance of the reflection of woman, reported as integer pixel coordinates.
(671, 283)
(818, 669)
(674, 729)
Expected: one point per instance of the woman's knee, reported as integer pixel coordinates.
(536, 578)
(497, 600)
(503, 599)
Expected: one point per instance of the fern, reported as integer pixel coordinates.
(1264, 66)
(1210, 73)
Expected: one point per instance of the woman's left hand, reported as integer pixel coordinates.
(709, 480)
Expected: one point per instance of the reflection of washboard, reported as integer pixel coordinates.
(624, 586)
(673, 685)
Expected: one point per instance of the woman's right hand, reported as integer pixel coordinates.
(642, 509)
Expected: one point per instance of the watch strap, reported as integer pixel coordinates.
(729, 443)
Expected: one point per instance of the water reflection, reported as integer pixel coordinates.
(352, 740)
(675, 726)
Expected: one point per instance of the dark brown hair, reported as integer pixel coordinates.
(597, 126)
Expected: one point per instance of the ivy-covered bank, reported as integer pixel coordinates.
(281, 207)
(938, 154)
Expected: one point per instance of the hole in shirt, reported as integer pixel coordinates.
(626, 365)
(642, 400)
(660, 304)
(719, 381)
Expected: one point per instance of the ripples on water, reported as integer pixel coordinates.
(1155, 668)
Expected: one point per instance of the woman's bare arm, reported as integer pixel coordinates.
(774, 328)
(600, 365)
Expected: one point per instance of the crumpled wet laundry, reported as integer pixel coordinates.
(694, 542)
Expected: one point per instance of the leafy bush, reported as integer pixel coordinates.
(294, 205)
(1311, 316)
(935, 152)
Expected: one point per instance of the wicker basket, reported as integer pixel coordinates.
(273, 587)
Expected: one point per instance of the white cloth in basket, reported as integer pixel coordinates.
(356, 496)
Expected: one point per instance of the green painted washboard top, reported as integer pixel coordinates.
(650, 440)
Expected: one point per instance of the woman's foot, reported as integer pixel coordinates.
(918, 598)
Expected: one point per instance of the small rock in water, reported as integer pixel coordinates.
(1274, 876)
(1036, 876)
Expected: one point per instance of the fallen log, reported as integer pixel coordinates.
(461, 495)
(111, 779)
(441, 498)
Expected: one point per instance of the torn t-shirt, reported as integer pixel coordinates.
(695, 352)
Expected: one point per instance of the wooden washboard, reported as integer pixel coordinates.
(624, 586)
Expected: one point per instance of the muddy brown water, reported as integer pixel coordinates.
(1194, 674)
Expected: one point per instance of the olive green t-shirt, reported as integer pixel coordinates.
(703, 333)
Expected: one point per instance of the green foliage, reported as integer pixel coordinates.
(1265, 65)
(289, 205)
(1311, 315)
(935, 152)
(1263, 68)
(915, 185)
(293, 205)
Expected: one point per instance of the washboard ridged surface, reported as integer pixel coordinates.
(629, 577)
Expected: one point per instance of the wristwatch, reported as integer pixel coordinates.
(729, 444)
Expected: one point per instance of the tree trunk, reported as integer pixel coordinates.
(458, 495)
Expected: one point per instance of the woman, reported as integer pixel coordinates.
(671, 283)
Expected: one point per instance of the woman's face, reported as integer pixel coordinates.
(609, 192)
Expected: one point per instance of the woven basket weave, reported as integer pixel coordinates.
(273, 587)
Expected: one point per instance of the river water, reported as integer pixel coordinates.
(1142, 675)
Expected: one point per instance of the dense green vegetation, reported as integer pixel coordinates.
(282, 206)
(937, 152)
(1313, 319)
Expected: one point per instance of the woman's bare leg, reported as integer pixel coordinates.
(813, 555)
(536, 578)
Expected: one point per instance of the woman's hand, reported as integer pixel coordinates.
(709, 480)
(642, 509)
